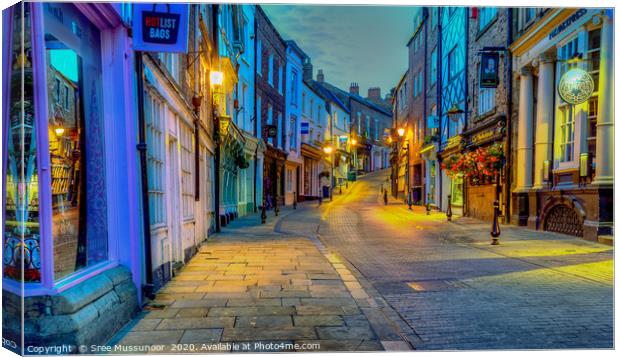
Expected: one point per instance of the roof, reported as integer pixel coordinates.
(358, 98)
(330, 95)
(296, 48)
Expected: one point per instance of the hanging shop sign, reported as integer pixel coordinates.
(305, 128)
(576, 86)
(489, 64)
(160, 27)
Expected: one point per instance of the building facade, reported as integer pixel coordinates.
(270, 82)
(564, 152)
(293, 117)
(489, 110)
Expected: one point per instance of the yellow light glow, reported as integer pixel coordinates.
(389, 139)
(217, 78)
(353, 141)
(59, 131)
(401, 132)
(328, 149)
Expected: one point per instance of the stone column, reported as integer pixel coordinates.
(544, 117)
(605, 116)
(524, 134)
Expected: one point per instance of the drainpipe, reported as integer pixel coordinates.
(466, 114)
(147, 289)
(255, 120)
(508, 115)
(216, 131)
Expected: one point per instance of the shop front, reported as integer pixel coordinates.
(273, 178)
(233, 169)
(312, 167)
(70, 201)
(486, 142)
(565, 140)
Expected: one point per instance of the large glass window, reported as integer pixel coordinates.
(75, 139)
(21, 206)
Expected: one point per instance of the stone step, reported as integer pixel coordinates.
(606, 239)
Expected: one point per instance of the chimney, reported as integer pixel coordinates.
(307, 69)
(374, 93)
(320, 77)
(354, 88)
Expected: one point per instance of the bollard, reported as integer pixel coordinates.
(294, 200)
(449, 210)
(385, 198)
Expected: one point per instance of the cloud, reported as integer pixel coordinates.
(364, 44)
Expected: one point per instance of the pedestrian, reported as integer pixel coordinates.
(385, 197)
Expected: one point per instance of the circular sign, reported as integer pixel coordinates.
(576, 86)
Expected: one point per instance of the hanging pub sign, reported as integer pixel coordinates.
(489, 64)
(576, 86)
(160, 27)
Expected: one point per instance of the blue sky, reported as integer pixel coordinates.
(363, 44)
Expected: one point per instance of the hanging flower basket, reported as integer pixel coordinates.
(480, 166)
(242, 162)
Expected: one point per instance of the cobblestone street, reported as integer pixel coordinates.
(355, 274)
(456, 291)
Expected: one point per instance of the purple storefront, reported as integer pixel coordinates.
(71, 230)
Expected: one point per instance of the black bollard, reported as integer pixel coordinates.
(449, 210)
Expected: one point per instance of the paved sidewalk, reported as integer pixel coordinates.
(250, 288)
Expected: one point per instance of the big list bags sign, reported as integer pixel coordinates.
(160, 27)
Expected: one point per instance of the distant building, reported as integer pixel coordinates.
(293, 116)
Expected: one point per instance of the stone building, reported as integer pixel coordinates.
(488, 109)
(293, 117)
(564, 149)
(271, 106)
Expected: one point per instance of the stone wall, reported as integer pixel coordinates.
(88, 313)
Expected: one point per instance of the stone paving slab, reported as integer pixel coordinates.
(259, 288)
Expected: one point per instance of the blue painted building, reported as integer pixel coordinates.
(453, 95)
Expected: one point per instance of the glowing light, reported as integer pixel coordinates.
(217, 78)
(328, 149)
(401, 132)
(59, 131)
(353, 141)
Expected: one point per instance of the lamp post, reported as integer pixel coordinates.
(495, 231)
(329, 151)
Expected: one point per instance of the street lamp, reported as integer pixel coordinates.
(329, 151)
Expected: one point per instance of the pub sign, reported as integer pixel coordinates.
(160, 27)
(489, 64)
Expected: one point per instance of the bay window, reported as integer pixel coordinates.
(56, 197)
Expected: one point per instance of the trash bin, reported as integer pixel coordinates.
(352, 176)
(325, 191)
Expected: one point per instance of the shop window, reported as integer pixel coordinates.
(21, 241)
(153, 114)
(457, 190)
(289, 180)
(187, 169)
(76, 144)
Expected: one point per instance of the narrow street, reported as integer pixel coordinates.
(355, 274)
(535, 290)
